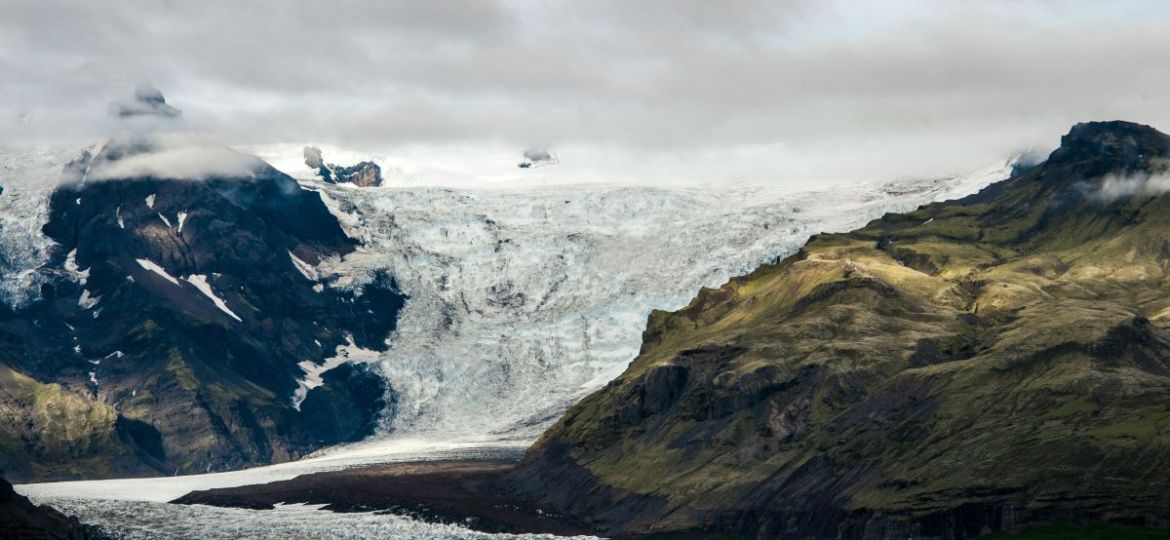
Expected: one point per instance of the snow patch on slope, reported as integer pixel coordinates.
(304, 268)
(153, 267)
(200, 282)
(86, 301)
(314, 372)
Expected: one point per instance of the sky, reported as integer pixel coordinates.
(795, 93)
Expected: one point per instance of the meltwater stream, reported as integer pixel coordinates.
(521, 302)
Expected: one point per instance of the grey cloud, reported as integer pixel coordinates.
(171, 156)
(313, 159)
(842, 89)
(1114, 187)
(148, 101)
(537, 155)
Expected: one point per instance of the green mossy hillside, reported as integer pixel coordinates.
(948, 370)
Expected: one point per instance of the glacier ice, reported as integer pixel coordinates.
(524, 300)
(27, 176)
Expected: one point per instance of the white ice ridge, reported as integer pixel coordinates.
(304, 268)
(200, 282)
(182, 219)
(522, 301)
(313, 372)
(150, 265)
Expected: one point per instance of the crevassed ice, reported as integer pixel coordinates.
(160, 521)
(523, 301)
(28, 176)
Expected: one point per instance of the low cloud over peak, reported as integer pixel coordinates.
(148, 101)
(823, 91)
(162, 155)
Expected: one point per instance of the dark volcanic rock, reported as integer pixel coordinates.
(169, 335)
(467, 493)
(23, 520)
(363, 174)
(348, 405)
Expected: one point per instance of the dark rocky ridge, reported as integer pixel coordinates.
(972, 366)
(20, 519)
(183, 386)
(362, 174)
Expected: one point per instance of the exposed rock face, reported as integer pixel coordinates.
(363, 174)
(20, 518)
(169, 335)
(344, 408)
(971, 366)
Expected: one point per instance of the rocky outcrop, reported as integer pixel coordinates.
(170, 332)
(348, 405)
(21, 519)
(972, 366)
(363, 174)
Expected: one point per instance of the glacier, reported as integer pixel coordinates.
(522, 301)
(27, 177)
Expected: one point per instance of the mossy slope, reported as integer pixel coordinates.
(963, 368)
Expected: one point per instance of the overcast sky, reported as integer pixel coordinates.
(792, 92)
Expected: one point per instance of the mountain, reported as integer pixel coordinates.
(967, 367)
(180, 324)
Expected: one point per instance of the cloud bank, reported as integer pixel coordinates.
(793, 92)
(1114, 187)
(170, 155)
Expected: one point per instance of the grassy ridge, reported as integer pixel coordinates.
(949, 368)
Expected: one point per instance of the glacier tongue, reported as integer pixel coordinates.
(28, 177)
(523, 301)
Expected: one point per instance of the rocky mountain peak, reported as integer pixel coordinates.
(363, 174)
(1116, 143)
(180, 314)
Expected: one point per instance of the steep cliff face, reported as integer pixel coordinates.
(175, 323)
(966, 367)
